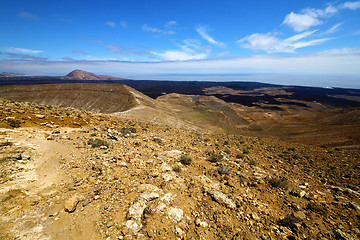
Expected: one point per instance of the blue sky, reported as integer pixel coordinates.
(269, 41)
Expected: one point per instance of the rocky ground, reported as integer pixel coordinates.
(70, 174)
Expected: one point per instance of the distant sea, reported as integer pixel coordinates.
(295, 80)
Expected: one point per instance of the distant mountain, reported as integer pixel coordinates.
(83, 75)
(8, 74)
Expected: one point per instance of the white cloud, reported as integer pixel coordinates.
(23, 50)
(202, 30)
(351, 5)
(28, 15)
(301, 22)
(85, 39)
(170, 24)
(334, 28)
(79, 51)
(123, 24)
(222, 54)
(111, 24)
(147, 28)
(126, 51)
(177, 55)
(311, 17)
(191, 49)
(259, 41)
(271, 44)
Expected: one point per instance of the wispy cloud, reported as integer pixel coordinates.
(272, 44)
(170, 24)
(23, 50)
(111, 24)
(301, 22)
(177, 55)
(351, 5)
(190, 49)
(28, 15)
(79, 51)
(222, 54)
(19, 57)
(123, 24)
(311, 17)
(202, 30)
(126, 51)
(334, 28)
(158, 31)
(85, 39)
(68, 59)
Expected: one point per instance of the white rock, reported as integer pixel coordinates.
(168, 197)
(167, 177)
(134, 226)
(255, 216)
(179, 231)
(149, 188)
(137, 209)
(149, 196)
(206, 183)
(165, 167)
(161, 207)
(200, 223)
(222, 199)
(175, 214)
(302, 193)
(173, 153)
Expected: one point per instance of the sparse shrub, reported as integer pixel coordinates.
(157, 140)
(214, 158)
(252, 163)
(227, 151)
(242, 179)
(127, 131)
(317, 208)
(239, 156)
(93, 134)
(246, 151)
(185, 160)
(279, 182)
(7, 143)
(97, 142)
(226, 143)
(224, 170)
(14, 123)
(209, 153)
(177, 169)
(289, 221)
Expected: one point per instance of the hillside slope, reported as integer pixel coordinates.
(70, 174)
(104, 98)
(83, 75)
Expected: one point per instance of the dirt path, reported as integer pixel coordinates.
(35, 187)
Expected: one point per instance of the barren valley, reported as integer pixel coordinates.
(105, 161)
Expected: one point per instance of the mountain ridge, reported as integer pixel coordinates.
(78, 74)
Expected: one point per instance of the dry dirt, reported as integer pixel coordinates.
(70, 174)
